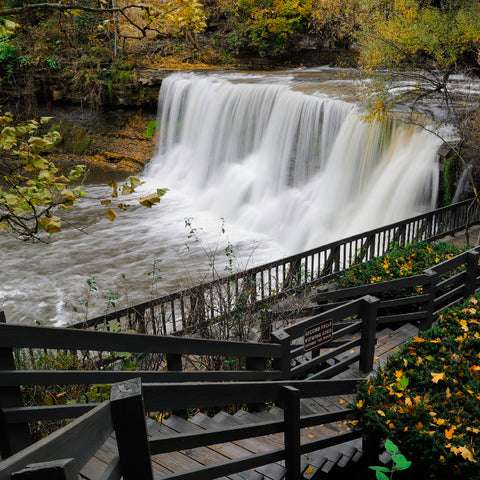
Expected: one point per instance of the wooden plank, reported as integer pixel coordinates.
(55, 470)
(85, 377)
(228, 450)
(199, 395)
(80, 439)
(27, 336)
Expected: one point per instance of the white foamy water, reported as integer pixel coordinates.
(285, 170)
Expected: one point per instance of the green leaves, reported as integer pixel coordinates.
(34, 191)
(399, 462)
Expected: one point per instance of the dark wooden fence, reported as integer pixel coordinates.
(193, 309)
(253, 362)
(418, 299)
(70, 448)
(276, 362)
(272, 361)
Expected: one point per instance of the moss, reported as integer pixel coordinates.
(123, 77)
(152, 128)
(450, 168)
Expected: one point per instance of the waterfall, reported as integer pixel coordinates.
(303, 169)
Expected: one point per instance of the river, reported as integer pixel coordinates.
(258, 166)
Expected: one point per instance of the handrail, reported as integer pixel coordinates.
(436, 292)
(191, 309)
(439, 294)
(79, 440)
(166, 397)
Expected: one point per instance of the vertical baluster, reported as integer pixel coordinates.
(172, 307)
(164, 322)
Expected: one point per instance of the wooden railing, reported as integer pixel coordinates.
(246, 292)
(417, 299)
(272, 361)
(246, 362)
(69, 449)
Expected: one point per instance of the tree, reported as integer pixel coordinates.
(161, 17)
(420, 45)
(34, 191)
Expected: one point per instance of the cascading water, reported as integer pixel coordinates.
(303, 169)
(286, 170)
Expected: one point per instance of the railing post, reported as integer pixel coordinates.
(55, 470)
(283, 363)
(128, 416)
(13, 437)
(257, 364)
(174, 362)
(471, 274)
(294, 275)
(266, 325)
(369, 331)
(371, 447)
(430, 289)
(291, 405)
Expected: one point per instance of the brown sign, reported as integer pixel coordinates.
(318, 334)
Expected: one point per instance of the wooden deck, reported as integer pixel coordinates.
(318, 464)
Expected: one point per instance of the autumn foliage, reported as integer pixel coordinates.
(427, 398)
(400, 261)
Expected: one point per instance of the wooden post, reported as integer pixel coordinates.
(291, 405)
(257, 364)
(174, 362)
(430, 289)
(13, 437)
(471, 274)
(128, 416)
(369, 330)
(266, 325)
(55, 470)
(370, 447)
(283, 363)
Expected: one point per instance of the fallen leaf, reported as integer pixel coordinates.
(436, 377)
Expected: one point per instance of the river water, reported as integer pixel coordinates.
(258, 166)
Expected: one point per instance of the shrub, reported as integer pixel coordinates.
(400, 261)
(427, 398)
(8, 55)
(152, 129)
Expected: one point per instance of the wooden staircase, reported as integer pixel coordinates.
(332, 462)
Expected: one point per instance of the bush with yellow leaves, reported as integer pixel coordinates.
(427, 398)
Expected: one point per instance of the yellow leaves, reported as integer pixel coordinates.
(436, 377)
(449, 433)
(463, 452)
(360, 403)
(111, 214)
(50, 224)
(149, 200)
(417, 340)
(381, 413)
(464, 323)
(308, 471)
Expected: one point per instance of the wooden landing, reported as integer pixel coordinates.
(317, 464)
